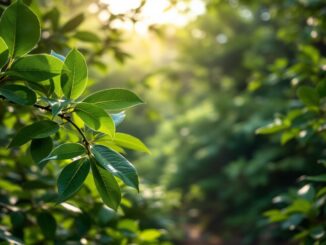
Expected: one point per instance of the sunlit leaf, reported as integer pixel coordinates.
(95, 118)
(35, 68)
(4, 53)
(114, 99)
(130, 142)
(74, 75)
(19, 28)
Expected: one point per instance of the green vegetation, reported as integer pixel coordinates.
(234, 121)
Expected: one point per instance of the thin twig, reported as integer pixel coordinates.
(68, 119)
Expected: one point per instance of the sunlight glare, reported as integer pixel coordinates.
(153, 12)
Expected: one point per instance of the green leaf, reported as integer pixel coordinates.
(35, 68)
(73, 23)
(106, 185)
(4, 53)
(74, 75)
(272, 128)
(19, 28)
(318, 178)
(149, 235)
(87, 37)
(114, 99)
(308, 96)
(130, 142)
(45, 87)
(47, 224)
(321, 88)
(116, 164)
(96, 118)
(37, 130)
(18, 94)
(275, 215)
(40, 148)
(72, 178)
(66, 151)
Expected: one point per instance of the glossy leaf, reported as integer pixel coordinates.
(19, 28)
(116, 164)
(66, 151)
(35, 68)
(106, 185)
(57, 105)
(74, 75)
(118, 118)
(4, 53)
(114, 99)
(72, 178)
(95, 118)
(59, 56)
(18, 94)
(37, 130)
(130, 142)
(40, 148)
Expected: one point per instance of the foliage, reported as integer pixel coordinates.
(41, 105)
(234, 73)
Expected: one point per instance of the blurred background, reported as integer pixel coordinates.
(211, 73)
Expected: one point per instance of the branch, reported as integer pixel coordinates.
(68, 119)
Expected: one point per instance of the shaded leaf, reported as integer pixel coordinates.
(66, 151)
(37, 130)
(106, 185)
(18, 94)
(72, 178)
(308, 96)
(47, 224)
(73, 23)
(87, 36)
(40, 148)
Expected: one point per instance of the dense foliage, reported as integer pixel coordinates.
(235, 124)
(44, 120)
(242, 63)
